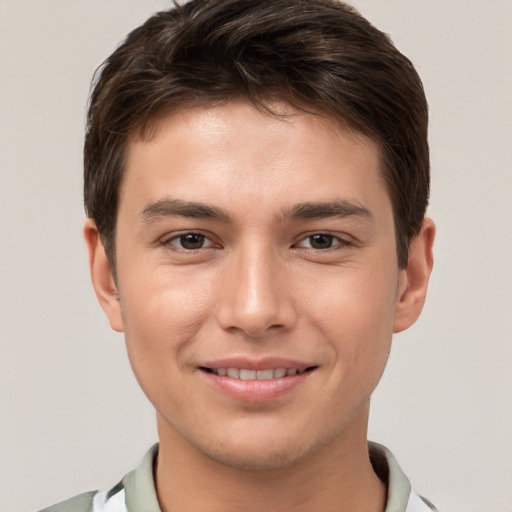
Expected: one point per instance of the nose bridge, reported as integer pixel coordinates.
(254, 296)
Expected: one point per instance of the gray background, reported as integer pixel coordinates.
(72, 416)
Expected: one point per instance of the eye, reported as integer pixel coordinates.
(321, 241)
(190, 241)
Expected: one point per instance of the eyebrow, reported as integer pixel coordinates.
(303, 211)
(179, 208)
(337, 208)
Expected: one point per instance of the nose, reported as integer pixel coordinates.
(256, 296)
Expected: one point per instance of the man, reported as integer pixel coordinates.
(256, 180)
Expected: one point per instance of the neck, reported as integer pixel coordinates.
(337, 478)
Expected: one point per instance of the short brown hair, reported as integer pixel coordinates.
(319, 55)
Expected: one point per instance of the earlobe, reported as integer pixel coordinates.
(415, 277)
(102, 276)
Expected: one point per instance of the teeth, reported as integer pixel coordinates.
(234, 373)
(248, 374)
(265, 374)
(244, 374)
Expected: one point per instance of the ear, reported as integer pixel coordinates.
(102, 276)
(414, 278)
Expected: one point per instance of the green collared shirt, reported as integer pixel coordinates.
(136, 491)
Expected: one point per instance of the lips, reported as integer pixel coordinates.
(255, 381)
(250, 374)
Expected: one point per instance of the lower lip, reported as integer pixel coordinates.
(255, 391)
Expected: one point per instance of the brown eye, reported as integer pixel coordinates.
(190, 241)
(321, 241)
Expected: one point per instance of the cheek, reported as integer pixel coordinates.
(355, 313)
(162, 313)
(356, 298)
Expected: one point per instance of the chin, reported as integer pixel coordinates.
(265, 450)
(258, 458)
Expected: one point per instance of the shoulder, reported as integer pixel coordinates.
(418, 503)
(135, 492)
(81, 503)
(113, 500)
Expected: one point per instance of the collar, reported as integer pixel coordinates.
(387, 469)
(140, 489)
(139, 485)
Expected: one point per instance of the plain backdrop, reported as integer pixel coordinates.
(72, 416)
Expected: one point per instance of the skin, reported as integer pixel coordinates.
(260, 285)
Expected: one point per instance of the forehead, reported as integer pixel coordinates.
(237, 149)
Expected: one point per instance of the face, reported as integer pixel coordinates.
(258, 281)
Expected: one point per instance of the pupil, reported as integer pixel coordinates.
(321, 241)
(192, 241)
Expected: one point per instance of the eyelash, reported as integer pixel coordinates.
(335, 242)
(181, 236)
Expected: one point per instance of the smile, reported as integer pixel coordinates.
(247, 374)
(255, 382)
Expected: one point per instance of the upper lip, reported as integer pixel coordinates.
(263, 363)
